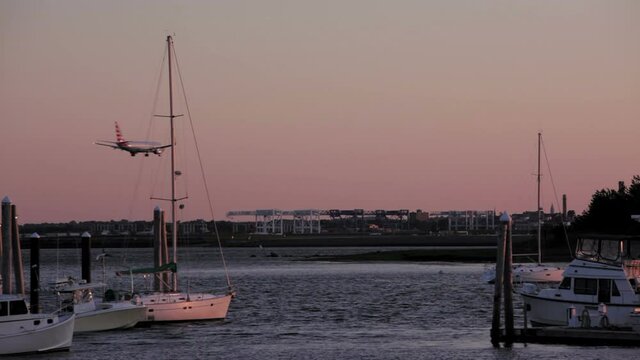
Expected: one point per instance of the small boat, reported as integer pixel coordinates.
(23, 332)
(529, 273)
(600, 287)
(532, 272)
(95, 315)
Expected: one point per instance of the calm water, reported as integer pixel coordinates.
(292, 309)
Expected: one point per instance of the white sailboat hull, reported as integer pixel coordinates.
(539, 273)
(37, 333)
(163, 307)
(533, 273)
(110, 316)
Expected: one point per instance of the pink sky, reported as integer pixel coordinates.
(431, 105)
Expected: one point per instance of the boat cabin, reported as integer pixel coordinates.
(604, 270)
(13, 306)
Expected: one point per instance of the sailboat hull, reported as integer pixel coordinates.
(167, 307)
(110, 316)
(531, 273)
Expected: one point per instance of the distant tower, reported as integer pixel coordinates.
(564, 206)
(621, 186)
(552, 211)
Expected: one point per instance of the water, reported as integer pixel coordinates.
(289, 308)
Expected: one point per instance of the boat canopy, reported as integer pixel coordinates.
(172, 267)
(612, 250)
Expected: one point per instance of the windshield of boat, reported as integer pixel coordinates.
(602, 251)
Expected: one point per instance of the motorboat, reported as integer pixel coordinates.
(600, 287)
(95, 315)
(23, 332)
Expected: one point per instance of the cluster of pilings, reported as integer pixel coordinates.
(503, 284)
(161, 281)
(10, 253)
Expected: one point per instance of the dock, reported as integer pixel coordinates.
(575, 336)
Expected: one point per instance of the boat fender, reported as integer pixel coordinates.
(604, 321)
(585, 319)
(572, 315)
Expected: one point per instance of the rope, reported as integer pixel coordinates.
(204, 179)
(555, 193)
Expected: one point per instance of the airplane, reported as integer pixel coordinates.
(133, 147)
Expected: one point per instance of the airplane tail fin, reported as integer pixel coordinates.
(119, 137)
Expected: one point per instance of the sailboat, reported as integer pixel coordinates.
(533, 272)
(176, 305)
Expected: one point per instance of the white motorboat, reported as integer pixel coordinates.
(96, 315)
(176, 305)
(23, 332)
(601, 286)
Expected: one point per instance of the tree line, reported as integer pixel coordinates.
(611, 211)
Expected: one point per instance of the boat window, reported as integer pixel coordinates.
(587, 249)
(4, 308)
(614, 289)
(602, 251)
(18, 307)
(565, 284)
(610, 250)
(604, 291)
(584, 286)
(633, 249)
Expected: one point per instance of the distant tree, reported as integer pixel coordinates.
(610, 211)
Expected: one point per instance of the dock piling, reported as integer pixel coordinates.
(503, 282)
(35, 273)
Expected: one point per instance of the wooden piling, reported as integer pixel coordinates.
(157, 233)
(18, 267)
(497, 294)
(86, 256)
(503, 284)
(7, 254)
(35, 273)
(508, 286)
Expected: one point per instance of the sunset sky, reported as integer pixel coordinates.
(431, 105)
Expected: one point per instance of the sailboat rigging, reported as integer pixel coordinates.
(175, 305)
(537, 272)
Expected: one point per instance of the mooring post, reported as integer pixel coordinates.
(18, 267)
(7, 253)
(86, 256)
(497, 294)
(508, 284)
(157, 235)
(35, 273)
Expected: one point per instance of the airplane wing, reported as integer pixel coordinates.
(107, 143)
(161, 147)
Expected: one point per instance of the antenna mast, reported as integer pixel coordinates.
(539, 210)
(174, 227)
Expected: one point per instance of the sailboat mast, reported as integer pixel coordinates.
(539, 209)
(174, 228)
